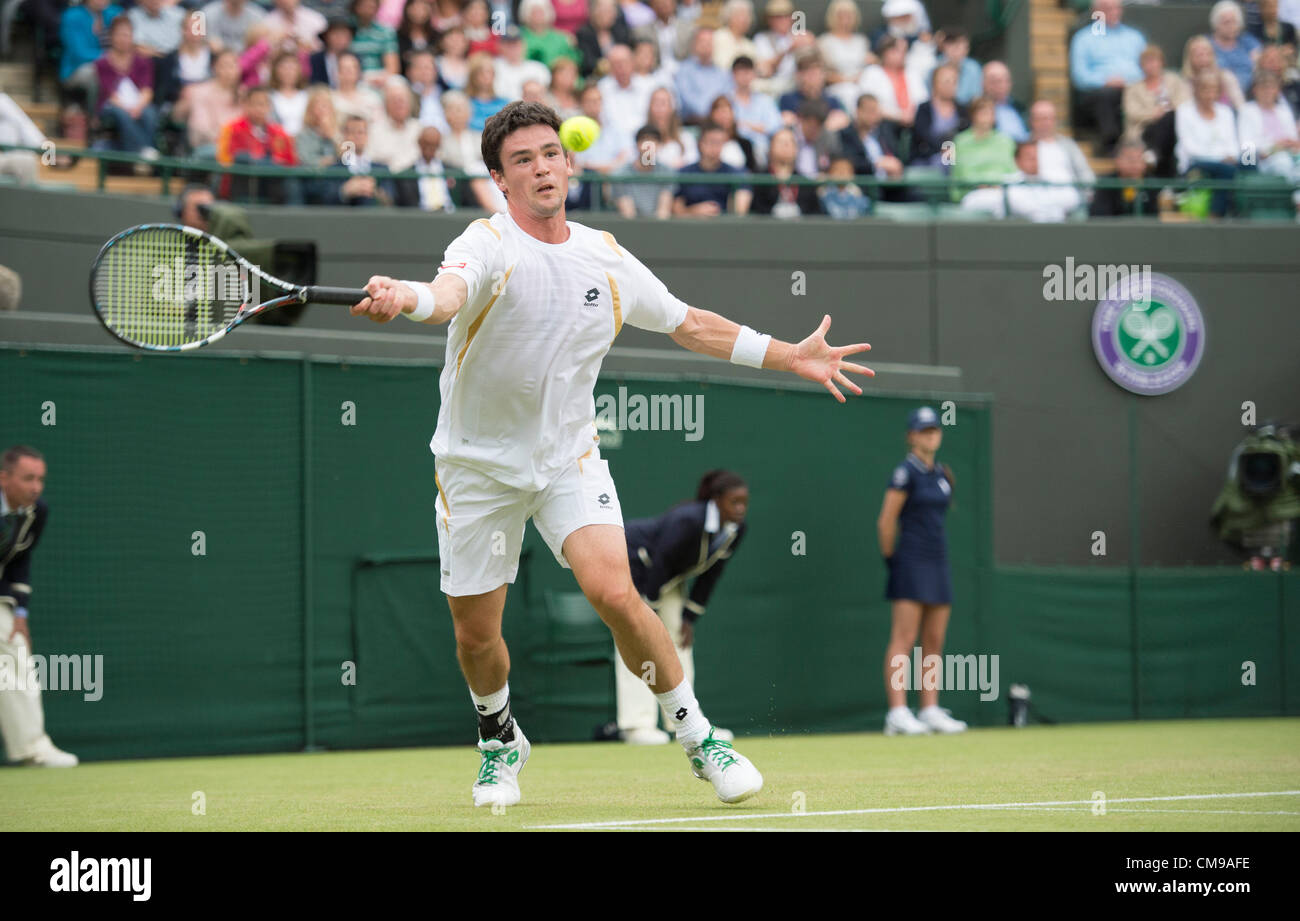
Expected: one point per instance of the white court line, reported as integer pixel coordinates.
(1172, 811)
(748, 828)
(732, 816)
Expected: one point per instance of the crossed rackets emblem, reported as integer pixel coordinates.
(1150, 329)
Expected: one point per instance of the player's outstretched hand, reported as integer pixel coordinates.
(815, 360)
(388, 298)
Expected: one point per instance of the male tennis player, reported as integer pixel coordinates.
(535, 302)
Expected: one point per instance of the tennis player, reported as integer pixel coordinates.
(534, 302)
(915, 548)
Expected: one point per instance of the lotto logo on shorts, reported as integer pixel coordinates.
(603, 499)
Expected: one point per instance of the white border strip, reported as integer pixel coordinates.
(733, 816)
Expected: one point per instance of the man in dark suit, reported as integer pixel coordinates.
(22, 521)
(872, 144)
(325, 63)
(1124, 201)
(363, 182)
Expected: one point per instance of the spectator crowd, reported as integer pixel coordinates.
(714, 94)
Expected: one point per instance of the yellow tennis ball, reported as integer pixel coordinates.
(579, 133)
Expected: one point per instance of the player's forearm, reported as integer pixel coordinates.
(448, 296)
(711, 334)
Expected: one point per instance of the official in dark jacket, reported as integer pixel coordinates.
(676, 560)
(22, 521)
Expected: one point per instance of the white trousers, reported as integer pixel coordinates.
(637, 706)
(22, 719)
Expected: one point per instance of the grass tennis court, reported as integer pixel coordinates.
(1203, 775)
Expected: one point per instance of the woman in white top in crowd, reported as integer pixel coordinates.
(1198, 58)
(843, 47)
(1267, 131)
(676, 147)
(897, 87)
(1207, 137)
(732, 39)
(461, 147)
(353, 97)
(288, 96)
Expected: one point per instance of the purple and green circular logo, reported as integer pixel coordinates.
(1149, 341)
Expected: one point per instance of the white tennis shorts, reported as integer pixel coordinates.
(481, 520)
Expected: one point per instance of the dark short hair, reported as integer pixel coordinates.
(711, 126)
(515, 116)
(9, 460)
(257, 89)
(954, 34)
(742, 60)
(355, 118)
(885, 42)
(813, 108)
(648, 133)
(1023, 144)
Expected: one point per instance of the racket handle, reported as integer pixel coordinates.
(322, 294)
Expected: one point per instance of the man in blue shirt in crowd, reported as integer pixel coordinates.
(1103, 60)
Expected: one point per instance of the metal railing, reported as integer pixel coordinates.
(938, 193)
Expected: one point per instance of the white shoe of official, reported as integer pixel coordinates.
(940, 720)
(901, 722)
(53, 758)
(733, 777)
(498, 775)
(650, 736)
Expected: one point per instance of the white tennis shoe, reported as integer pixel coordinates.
(940, 720)
(733, 776)
(498, 775)
(900, 722)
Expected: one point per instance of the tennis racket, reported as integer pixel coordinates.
(169, 288)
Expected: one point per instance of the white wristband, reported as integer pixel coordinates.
(750, 348)
(424, 303)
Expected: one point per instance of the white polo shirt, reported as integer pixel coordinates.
(524, 352)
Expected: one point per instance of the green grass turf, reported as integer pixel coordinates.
(428, 789)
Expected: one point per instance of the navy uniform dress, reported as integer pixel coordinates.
(918, 570)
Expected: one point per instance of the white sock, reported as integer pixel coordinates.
(681, 705)
(492, 703)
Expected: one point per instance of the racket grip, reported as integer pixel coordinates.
(323, 294)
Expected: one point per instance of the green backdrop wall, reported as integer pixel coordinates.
(319, 560)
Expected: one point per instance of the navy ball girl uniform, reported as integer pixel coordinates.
(918, 570)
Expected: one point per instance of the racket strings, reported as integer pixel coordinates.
(162, 287)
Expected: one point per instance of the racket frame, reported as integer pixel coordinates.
(294, 294)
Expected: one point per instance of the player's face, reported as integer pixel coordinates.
(733, 504)
(536, 170)
(23, 484)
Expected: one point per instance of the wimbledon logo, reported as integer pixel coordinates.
(1153, 346)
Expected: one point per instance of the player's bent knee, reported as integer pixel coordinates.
(614, 600)
(475, 640)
